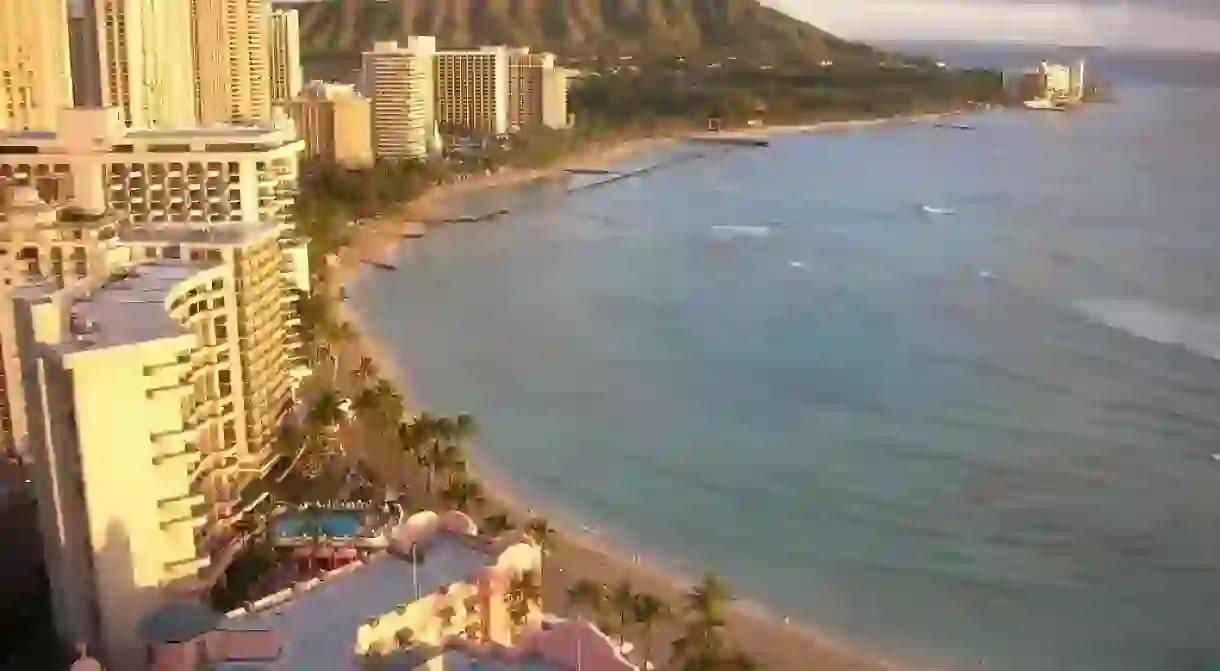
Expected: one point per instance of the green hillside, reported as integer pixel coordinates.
(692, 28)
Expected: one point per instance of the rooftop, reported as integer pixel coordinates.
(185, 234)
(98, 129)
(128, 308)
(318, 626)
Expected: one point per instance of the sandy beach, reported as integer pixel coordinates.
(578, 554)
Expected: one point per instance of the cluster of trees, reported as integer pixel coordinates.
(700, 620)
(678, 97)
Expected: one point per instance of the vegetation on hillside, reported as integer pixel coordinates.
(674, 94)
(580, 28)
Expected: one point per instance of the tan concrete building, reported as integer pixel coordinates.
(35, 67)
(217, 175)
(336, 123)
(287, 78)
(472, 90)
(153, 394)
(145, 60)
(41, 242)
(232, 60)
(537, 90)
(399, 82)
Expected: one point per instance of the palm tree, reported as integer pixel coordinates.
(366, 404)
(648, 611)
(494, 525)
(705, 605)
(365, 370)
(542, 533)
(446, 615)
(589, 596)
(622, 600)
(337, 334)
(389, 401)
(326, 412)
(707, 601)
(464, 495)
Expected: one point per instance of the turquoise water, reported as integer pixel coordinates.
(334, 524)
(920, 433)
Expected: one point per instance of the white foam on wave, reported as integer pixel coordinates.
(1197, 333)
(938, 210)
(748, 231)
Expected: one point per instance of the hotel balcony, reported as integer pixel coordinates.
(178, 506)
(195, 519)
(177, 458)
(172, 442)
(171, 392)
(188, 568)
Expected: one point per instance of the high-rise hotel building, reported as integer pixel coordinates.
(400, 83)
(215, 175)
(35, 67)
(41, 242)
(99, 166)
(144, 59)
(153, 395)
(472, 88)
(232, 75)
(284, 52)
(537, 90)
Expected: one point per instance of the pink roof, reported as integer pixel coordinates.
(232, 645)
(558, 645)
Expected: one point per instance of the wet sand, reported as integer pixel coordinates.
(576, 554)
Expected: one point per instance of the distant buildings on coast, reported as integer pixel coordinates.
(1053, 84)
(416, 94)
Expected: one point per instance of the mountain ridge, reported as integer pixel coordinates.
(745, 29)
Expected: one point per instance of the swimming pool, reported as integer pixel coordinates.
(327, 523)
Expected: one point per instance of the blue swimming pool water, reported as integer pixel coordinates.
(334, 523)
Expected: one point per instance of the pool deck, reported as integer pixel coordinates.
(317, 626)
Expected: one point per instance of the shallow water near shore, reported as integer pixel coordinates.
(944, 437)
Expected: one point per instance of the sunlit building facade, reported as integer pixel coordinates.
(399, 82)
(145, 62)
(232, 73)
(287, 77)
(41, 242)
(35, 67)
(537, 90)
(336, 124)
(472, 90)
(215, 175)
(153, 394)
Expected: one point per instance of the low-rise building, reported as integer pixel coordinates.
(217, 175)
(153, 395)
(442, 598)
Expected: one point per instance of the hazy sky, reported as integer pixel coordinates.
(1186, 24)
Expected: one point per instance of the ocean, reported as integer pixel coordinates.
(979, 436)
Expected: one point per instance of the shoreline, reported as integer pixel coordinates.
(582, 552)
